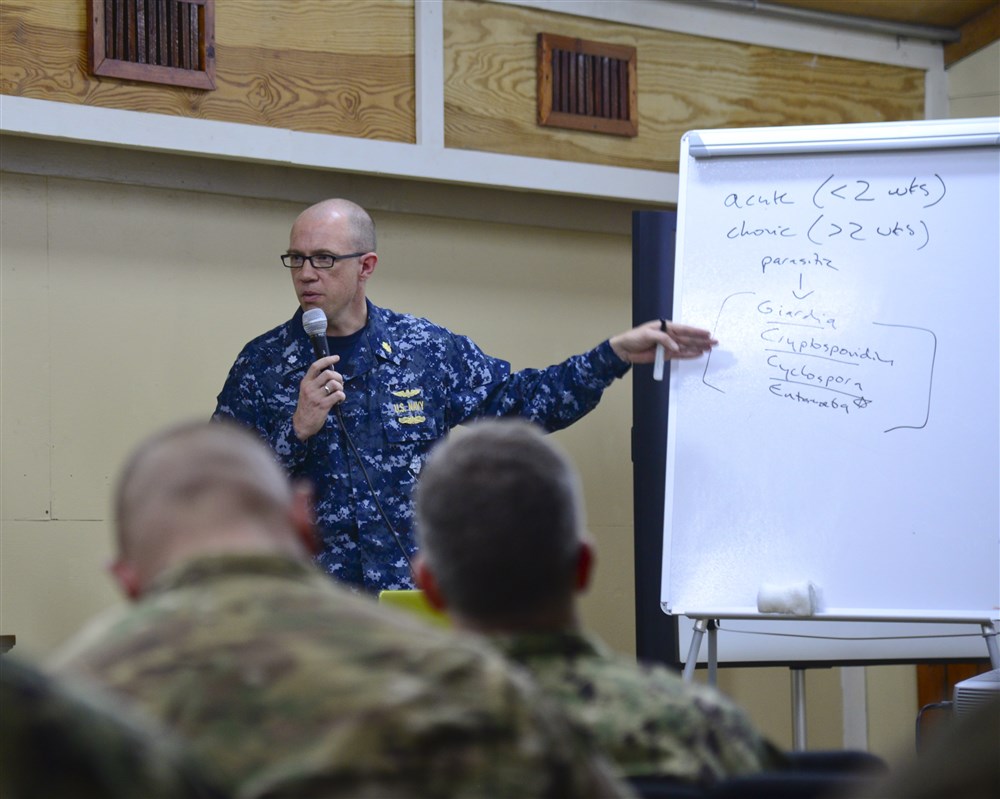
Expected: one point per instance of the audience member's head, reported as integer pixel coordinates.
(198, 488)
(502, 549)
(500, 524)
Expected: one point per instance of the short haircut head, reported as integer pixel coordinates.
(356, 221)
(196, 472)
(499, 521)
(361, 225)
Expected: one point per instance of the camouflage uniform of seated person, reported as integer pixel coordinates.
(503, 551)
(61, 739)
(285, 683)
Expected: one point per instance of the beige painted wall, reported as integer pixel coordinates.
(123, 308)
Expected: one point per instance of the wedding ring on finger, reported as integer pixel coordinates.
(326, 388)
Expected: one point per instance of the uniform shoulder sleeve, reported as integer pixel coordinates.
(261, 392)
(556, 396)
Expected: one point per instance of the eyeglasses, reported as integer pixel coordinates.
(323, 260)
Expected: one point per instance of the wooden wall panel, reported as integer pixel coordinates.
(685, 82)
(313, 65)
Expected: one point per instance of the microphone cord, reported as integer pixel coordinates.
(371, 488)
(314, 322)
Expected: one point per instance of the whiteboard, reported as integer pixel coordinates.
(846, 431)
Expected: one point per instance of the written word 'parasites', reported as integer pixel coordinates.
(810, 346)
(803, 372)
(803, 316)
(815, 259)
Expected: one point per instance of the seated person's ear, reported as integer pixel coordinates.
(303, 520)
(125, 575)
(425, 581)
(584, 565)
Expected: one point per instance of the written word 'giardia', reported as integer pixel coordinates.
(804, 316)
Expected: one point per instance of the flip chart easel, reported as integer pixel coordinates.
(710, 625)
(847, 429)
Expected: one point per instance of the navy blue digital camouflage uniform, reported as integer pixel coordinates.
(408, 382)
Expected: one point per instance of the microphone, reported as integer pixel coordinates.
(314, 322)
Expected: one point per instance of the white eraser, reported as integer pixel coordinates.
(794, 599)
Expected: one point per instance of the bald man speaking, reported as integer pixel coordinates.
(359, 423)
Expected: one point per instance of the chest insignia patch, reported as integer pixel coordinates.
(409, 407)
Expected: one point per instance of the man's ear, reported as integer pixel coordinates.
(368, 263)
(426, 582)
(125, 575)
(585, 558)
(302, 518)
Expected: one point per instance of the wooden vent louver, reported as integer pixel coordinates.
(158, 41)
(587, 85)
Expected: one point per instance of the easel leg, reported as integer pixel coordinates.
(990, 634)
(798, 709)
(713, 652)
(692, 659)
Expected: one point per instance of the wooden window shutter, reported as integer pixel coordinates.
(587, 85)
(157, 41)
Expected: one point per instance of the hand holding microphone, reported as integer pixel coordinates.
(322, 388)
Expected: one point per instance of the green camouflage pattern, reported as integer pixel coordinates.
(644, 716)
(63, 740)
(290, 686)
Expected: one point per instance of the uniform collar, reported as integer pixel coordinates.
(380, 337)
(209, 568)
(376, 345)
(565, 643)
(298, 354)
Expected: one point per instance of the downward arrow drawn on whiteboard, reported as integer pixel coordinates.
(796, 294)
